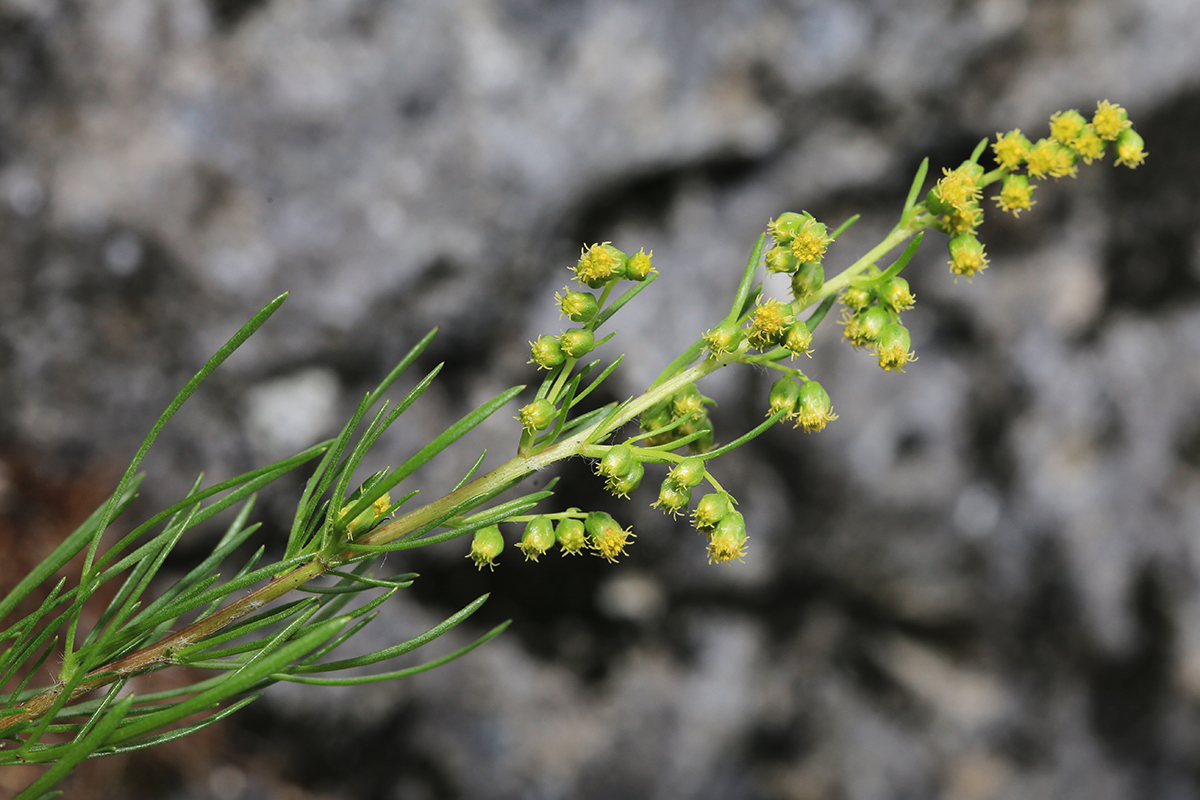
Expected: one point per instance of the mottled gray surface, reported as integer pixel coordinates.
(981, 581)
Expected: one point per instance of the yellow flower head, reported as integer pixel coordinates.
(608, 538)
(1016, 195)
(1109, 120)
(768, 324)
(640, 265)
(728, 541)
(963, 220)
(1011, 149)
(571, 536)
(810, 241)
(1065, 126)
(814, 409)
(967, 258)
(892, 347)
(958, 188)
(687, 402)
(711, 509)
(538, 538)
(1088, 144)
(487, 544)
(1040, 159)
(600, 264)
(861, 327)
(1131, 150)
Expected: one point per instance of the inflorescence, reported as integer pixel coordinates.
(674, 429)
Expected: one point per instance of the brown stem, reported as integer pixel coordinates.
(160, 654)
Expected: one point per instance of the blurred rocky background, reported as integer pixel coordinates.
(980, 582)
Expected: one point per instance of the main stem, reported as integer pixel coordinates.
(162, 653)
(470, 495)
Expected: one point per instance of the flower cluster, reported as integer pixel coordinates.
(726, 528)
(954, 201)
(770, 332)
(574, 532)
(800, 244)
(872, 320)
(683, 415)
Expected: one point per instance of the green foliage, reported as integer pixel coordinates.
(252, 624)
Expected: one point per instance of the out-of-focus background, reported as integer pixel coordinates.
(980, 582)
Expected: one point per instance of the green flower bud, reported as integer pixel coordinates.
(892, 347)
(895, 293)
(687, 402)
(810, 241)
(577, 342)
(538, 415)
(639, 266)
(654, 418)
(862, 328)
(956, 191)
(814, 408)
(600, 264)
(547, 353)
(725, 338)
(972, 170)
(769, 322)
(710, 510)
(608, 538)
(617, 461)
(1016, 195)
(788, 224)
(780, 259)
(784, 396)
(687, 473)
(578, 306)
(672, 498)
(571, 536)
(1131, 149)
(369, 517)
(966, 256)
(728, 541)
(486, 546)
(856, 298)
(808, 280)
(538, 538)
(798, 338)
(621, 485)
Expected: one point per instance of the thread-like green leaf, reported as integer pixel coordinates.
(243, 485)
(126, 600)
(234, 684)
(745, 437)
(324, 477)
(422, 456)
(20, 650)
(845, 226)
(914, 191)
(236, 341)
(402, 673)
(78, 751)
(617, 304)
(178, 733)
(70, 546)
(242, 628)
(398, 649)
(748, 275)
